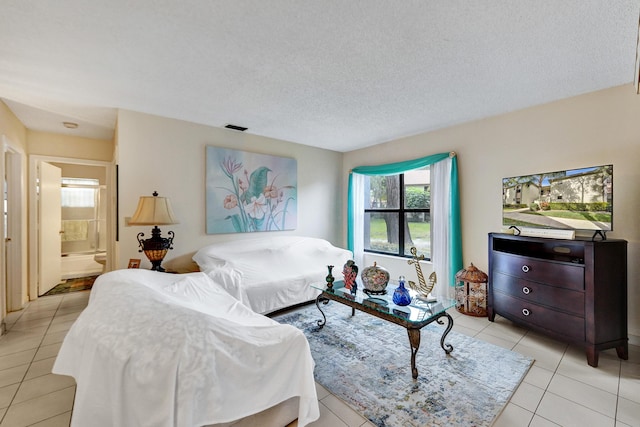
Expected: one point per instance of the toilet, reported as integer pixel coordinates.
(101, 258)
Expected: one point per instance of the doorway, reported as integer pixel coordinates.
(84, 220)
(12, 229)
(84, 225)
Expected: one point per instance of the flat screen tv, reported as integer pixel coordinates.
(575, 199)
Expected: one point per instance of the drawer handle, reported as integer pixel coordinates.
(526, 311)
(525, 268)
(526, 290)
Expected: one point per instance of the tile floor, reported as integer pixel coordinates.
(559, 390)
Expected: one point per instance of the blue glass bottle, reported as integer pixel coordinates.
(401, 295)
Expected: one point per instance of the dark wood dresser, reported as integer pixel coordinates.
(572, 290)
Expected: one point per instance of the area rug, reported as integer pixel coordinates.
(72, 285)
(366, 362)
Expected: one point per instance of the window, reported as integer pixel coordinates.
(79, 192)
(397, 213)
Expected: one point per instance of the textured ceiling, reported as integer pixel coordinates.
(335, 74)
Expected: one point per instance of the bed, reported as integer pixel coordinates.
(271, 273)
(157, 349)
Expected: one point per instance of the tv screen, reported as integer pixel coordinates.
(575, 199)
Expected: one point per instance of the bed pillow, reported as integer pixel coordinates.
(181, 264)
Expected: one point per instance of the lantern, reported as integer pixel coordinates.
(471, 291)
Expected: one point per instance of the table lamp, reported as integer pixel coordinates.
(154, 211)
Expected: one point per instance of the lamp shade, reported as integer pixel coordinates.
(153, 210)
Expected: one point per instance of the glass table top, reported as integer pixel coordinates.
(418, 311)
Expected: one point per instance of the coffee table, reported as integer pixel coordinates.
(413, 316)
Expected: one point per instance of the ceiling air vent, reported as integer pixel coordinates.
(234, 127)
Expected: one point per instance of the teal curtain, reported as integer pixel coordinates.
(400, 167)
(455, 255)
(455, 223)
(350, 213)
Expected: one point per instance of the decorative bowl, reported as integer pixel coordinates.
(375, 279)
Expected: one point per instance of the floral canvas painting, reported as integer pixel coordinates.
(249, 192)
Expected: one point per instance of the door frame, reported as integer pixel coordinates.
(34, 252)
(11, 256)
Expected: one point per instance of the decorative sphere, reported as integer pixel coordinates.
(375, 278)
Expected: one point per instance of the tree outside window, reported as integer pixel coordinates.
(397, 213)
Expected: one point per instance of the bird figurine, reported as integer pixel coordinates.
(422, 287)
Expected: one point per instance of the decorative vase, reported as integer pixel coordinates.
(350, 273)
(401, 295)
(330, 278)
(375, 279)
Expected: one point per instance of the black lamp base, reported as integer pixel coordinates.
(156, 247)
(156, 257)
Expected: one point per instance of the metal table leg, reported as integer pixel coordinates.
(414, 342)
(324, 300)
(448, 348)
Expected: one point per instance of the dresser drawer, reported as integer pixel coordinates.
(550, 272)
(546, 318)
(557, 298)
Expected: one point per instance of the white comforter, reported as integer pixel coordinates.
(274, 272)
(156, 349)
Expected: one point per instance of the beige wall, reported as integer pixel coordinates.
(593, 129)
(70, 170)
(168, 156)
(60, 145)
(12, 128)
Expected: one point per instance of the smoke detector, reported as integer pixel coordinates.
(70, 125)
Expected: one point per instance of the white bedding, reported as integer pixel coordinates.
(156, 349)
(270, 273)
